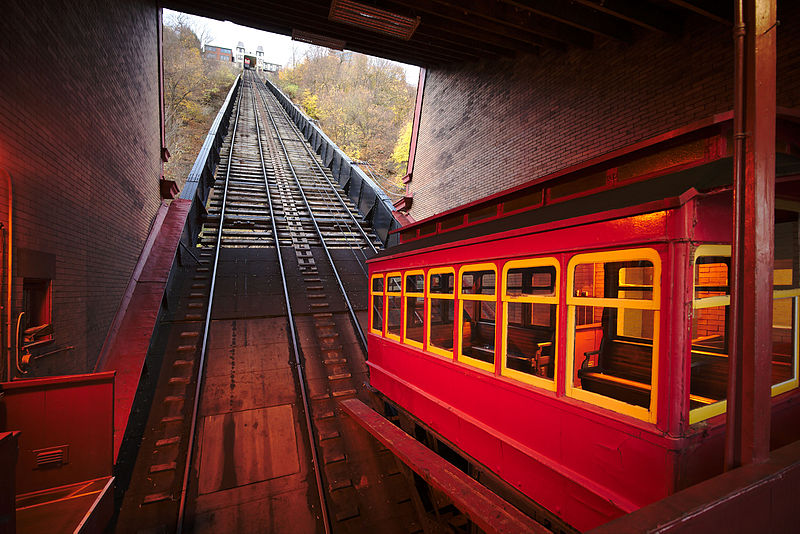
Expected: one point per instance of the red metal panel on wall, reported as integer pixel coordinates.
(71, 413)
(8, 463)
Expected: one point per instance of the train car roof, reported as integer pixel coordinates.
(697, 156)
(703, 178)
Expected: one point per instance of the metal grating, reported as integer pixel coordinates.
(373, 19)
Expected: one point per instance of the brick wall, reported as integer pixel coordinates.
(79, 134)
(491, 125)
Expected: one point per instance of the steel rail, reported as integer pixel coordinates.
(313, 158)
(339, 220)
(294, 340)
(206, 330)
(350, 309)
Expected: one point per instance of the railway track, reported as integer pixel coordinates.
(244, 432)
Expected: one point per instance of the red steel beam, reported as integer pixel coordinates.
(483, 507)
(749, 398)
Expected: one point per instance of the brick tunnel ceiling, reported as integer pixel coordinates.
(454, 31)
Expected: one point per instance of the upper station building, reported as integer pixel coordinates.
(252, 59)
(218, 52)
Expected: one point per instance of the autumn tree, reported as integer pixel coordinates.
(193, 91)
(363, 104)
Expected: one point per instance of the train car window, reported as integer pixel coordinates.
(476, 312)
(530, 315)
(786, 303)
(708, 384)
(377, 302)
(394, 305)
(613, 356)
(440, 316)
(415, 308)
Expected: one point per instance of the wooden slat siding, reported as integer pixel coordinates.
(709, 375)
(631, 362)
(484, 508)
(523, 343)
(442, 335)
(484, 333)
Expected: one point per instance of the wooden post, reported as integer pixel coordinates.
(749, 397)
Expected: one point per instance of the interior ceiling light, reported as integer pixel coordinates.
(318, 40)
(373, 19)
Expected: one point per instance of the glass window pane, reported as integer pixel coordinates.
(530, 348)
(415, 307)
(486, 311)
(787, 250)
(531, 281)
(784, 335)
(477, 336)
(709, 329)
(442, 283)
(377, 313)
(589, 278)
(612, 366)
(711, 276)
(377, 285)
(635, 323)
(477, 283)
(415, 283)
(615, 280)
(708, 381)
(394, 313)
(441, 325)
(393, 284)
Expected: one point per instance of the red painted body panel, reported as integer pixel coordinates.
(583, 462)
(77, 411)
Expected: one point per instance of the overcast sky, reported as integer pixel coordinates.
(277, 48)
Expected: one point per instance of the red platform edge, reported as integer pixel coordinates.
(484, 508)
(753, 498)
(129, 338)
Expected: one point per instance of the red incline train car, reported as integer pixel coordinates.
(571, 335)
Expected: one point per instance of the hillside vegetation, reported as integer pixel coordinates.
(194, 89)
(362, 103)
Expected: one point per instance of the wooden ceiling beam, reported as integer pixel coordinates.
(510, 16)
(470, 23)
(301, 15)
(577, 16)
(721, 12)
(305, 13)
(648, 16)
(414, 53)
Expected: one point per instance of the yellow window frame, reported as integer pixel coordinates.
(429, 305)
(372, 294)
(484, 298)
(388, 294)
(710, 410)
(537, 381)
(572, 301)
(406, 294)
